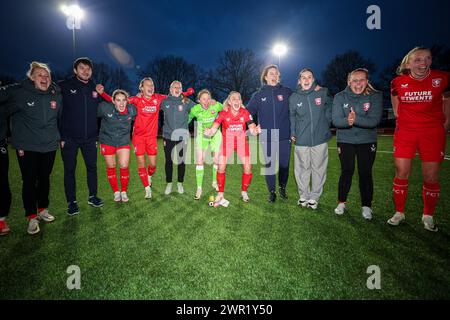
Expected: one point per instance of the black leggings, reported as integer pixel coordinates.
(36, 168)
(169, 145)
(365, 155)
(5, 191)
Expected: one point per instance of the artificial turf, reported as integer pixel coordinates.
(173, 247)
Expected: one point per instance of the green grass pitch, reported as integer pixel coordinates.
(173, 247)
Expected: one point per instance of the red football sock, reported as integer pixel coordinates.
(41, 209)
(124, 178)
(112, 178)
(400, 192)
(221, 181)
(151, 170)
(144, 176)
(32, 217)
(246, 178)
(431, 192)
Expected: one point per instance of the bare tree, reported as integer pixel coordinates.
(111, 78)
(238, 70)
(164, 70)
(334, 77)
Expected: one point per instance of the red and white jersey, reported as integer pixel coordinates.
(420, 101)
(146, 122)
(234, 125)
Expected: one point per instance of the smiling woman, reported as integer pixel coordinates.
(356, 113)
(423, 116)
(35, 106)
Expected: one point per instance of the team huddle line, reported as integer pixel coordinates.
(46, 116)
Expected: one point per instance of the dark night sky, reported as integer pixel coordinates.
(199, 30)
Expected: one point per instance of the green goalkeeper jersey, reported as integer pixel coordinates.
(205, 117)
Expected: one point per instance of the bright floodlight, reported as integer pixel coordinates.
(279, 49)
(72, 11)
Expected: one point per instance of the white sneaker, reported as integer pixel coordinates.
(33, 226)
(148, 192)
(221, 201)
(117, 196)
(198, 194)
(124, 196)
(302, 202)
(428, 223)
(245, 196)
(396, 219)
(313, 204)
(367, 213)
(168, 189)
(340, 208)
(44, 215)
(180, 188)
(215, 186)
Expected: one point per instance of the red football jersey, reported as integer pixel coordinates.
(234, 125)
(146, 123)
(420, 101)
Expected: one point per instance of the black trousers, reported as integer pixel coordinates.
(36, 168)
(5, 191)
(69, 155)
(365, 156)
(180, 147)
(277, 155)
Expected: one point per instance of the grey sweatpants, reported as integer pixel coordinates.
(310, 165)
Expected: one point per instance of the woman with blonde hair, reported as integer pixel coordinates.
(234, 120)
(35, 106)
(205, 112)
(176, 108)
(420, 99)
(356, 112)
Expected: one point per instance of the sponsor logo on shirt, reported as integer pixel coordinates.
(21, 153)
(417, 96)
(73, 91)
(149, 109)
(346, 105)
(155, 101)
(235, 127)
(318, 101)
(94, 94)
(53, 104)
(280, 97)
(299, 104)
(3, 150)
(30, 104)
(213, 111)
(263, 99)
(373, 148)
(109, 115)
(241, 119)
(366, 106)
(436, 83)
(180, 107)
(404, 85)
